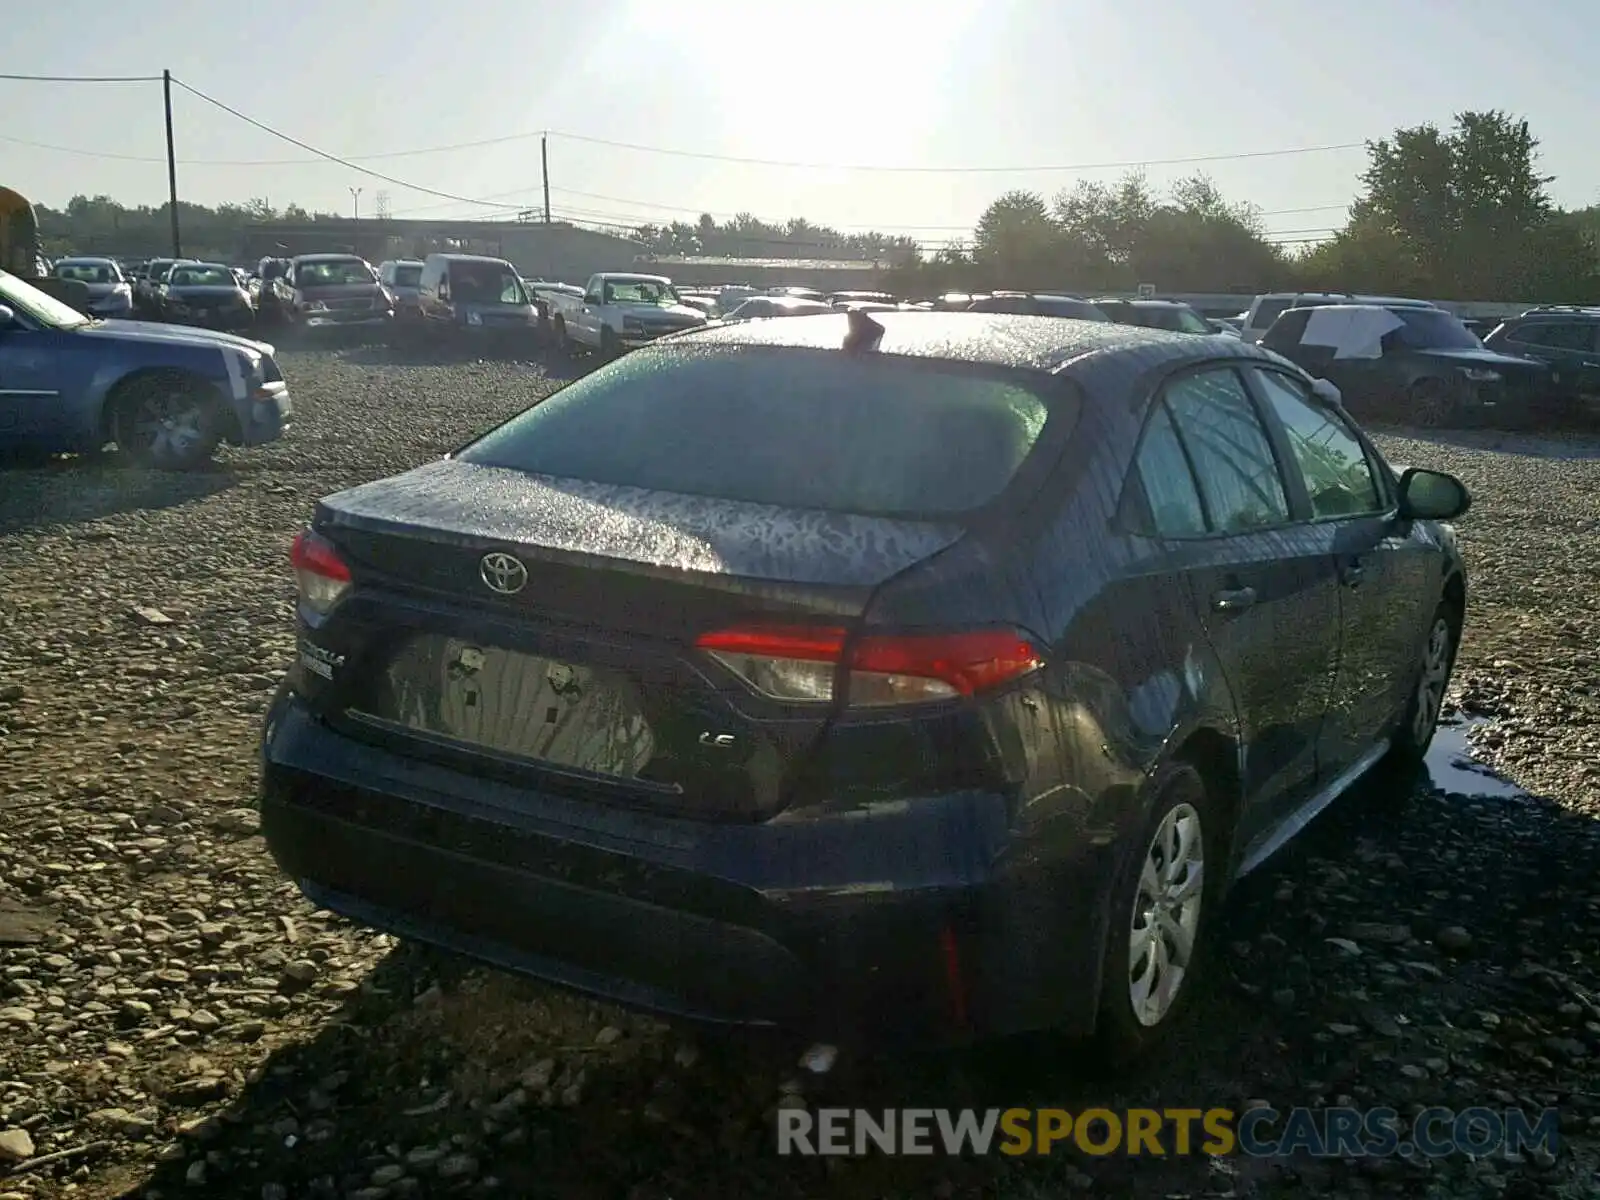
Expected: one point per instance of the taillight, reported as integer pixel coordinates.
(321, 574)
(800, 665)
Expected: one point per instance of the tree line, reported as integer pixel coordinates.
(101, 225)
(1461, 213)
(747, 236)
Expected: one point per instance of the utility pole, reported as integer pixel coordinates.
(172, 165)
(544, 166)
(355, 197)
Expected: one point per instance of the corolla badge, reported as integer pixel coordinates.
(502, 573)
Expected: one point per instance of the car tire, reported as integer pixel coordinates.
(1163, 904)
(166, 420)
(1429, 403)
(1438, 660)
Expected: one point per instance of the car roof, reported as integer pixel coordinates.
(457, 257)
(86, 258)
(631, 277)
(1350, 298)
(299, 258)
(198, 263)
(1355, 308)
(989, 339)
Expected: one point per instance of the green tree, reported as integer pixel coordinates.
(1463, 213)
(1017, 242)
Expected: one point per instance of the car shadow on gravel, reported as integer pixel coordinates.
(77, 489)
(1415, 946)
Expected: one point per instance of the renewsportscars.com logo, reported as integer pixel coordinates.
(1163, 1132)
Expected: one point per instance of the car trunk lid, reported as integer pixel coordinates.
(549, 627)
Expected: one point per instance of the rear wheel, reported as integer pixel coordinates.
(1421, 718)
(168, 421)
(1161, 912)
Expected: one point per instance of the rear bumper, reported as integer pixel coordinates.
(918, 925)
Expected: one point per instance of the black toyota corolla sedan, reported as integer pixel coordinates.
(916, 675)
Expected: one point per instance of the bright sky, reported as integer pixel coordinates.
(944, 84)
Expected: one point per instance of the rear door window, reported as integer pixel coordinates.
(1176, 509)
(882, 435)
(1232, 454)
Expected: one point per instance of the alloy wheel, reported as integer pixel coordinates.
(1429, 404)
(167, 425)
(1431, 683)
(1166, 914)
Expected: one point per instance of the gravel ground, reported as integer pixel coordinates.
(176, 1020)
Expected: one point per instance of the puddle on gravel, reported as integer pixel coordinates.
(1452, 767)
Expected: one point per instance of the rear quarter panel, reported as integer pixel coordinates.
(1130, 675)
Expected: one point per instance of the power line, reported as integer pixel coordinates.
(1127, 164)
(262, 162)
(343, 162)
(83, 78)
(1130, 164)
(493, 200)
(16, 141)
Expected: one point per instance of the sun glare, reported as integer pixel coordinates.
(823, 82)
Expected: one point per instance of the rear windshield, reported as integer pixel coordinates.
(408, 276)
(876, 435)
(1175, 317)
(202, 277)
(332, 272)
(88, 272)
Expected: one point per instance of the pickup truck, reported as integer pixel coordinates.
(165, 394)
(619, 311)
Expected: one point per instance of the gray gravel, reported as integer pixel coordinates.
(175, 1020)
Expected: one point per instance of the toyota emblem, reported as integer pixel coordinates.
(503, 573)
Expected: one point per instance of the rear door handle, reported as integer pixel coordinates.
(1233, 599)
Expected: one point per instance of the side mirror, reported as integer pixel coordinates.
(1432, 495)
(7, 316)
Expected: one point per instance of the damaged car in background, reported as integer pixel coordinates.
(336, 291)
(1411, 364)
(907, 677)
(207, 294)
(110, 292)
(167, 396)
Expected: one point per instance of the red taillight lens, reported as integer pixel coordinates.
(801, 664)
(321, 574)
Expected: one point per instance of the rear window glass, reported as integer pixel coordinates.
(876, 435)
(408, 276)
